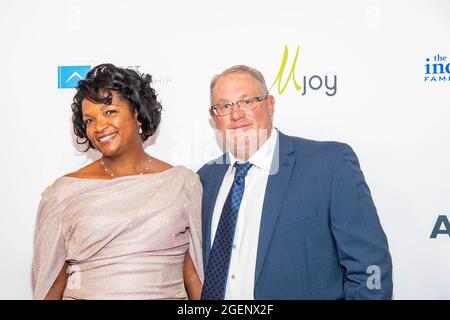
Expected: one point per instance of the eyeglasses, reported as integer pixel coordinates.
(222, 109)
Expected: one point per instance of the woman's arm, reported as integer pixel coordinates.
(191, 280)
(57, 289)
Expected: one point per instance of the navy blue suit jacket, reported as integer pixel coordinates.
(320, 236)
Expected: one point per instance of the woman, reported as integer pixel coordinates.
(126, 226)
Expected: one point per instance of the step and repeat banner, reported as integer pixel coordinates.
(374, 74)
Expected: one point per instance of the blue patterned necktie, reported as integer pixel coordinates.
(219, 260)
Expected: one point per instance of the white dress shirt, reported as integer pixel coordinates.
(241, 276)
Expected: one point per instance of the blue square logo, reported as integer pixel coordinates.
(68, 76)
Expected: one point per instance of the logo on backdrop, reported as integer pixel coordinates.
(68, 76)
(437, 69)
(442, 226)
(324, 83)
(157, 79)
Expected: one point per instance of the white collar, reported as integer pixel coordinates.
(262, 158)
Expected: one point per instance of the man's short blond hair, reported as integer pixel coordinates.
(240, 69)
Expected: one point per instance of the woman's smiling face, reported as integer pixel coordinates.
(113, 128)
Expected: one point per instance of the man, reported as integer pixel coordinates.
(285, 217)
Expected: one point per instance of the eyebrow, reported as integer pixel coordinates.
(243, 96)
(102, 106)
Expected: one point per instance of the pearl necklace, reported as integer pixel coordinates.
(112, 174)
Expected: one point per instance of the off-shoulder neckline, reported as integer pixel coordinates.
(125, 177)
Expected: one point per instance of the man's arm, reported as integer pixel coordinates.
(361, 242)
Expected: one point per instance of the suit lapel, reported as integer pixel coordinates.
(277, 185)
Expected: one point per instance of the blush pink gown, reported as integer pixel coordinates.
(124, 238)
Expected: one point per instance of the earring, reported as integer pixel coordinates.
(140, 130)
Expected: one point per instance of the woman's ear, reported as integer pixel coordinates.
(136, 118)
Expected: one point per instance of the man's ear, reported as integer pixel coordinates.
(271, 104)
(212, 115)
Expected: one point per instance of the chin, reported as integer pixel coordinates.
(243, 134)
(242, 145)
(107, 152)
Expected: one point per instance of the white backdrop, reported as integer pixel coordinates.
(398, 123)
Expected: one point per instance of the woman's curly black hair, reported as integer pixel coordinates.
(132, 86)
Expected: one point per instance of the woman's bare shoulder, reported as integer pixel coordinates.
(90, 171)
(160, 166)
